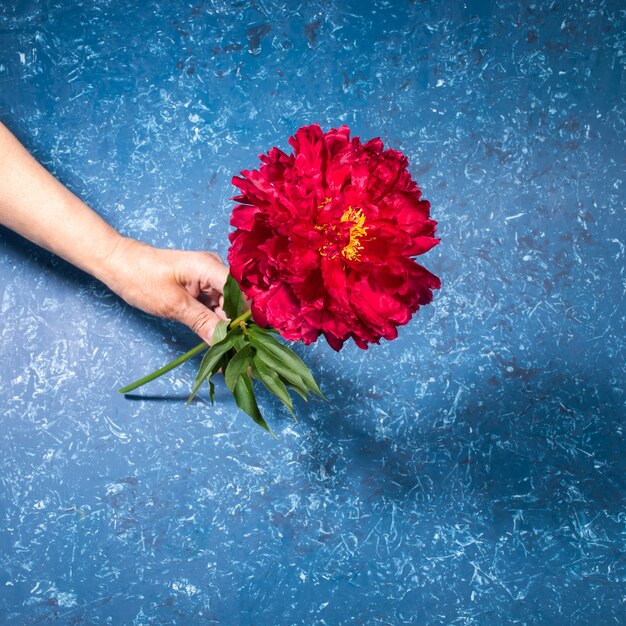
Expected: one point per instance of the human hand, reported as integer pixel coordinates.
(173, 284)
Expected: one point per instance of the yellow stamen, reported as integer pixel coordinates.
(358, 230)
(352, 250)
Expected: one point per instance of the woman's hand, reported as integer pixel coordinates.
(185, 286)
(174, 284)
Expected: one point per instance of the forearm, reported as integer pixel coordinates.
(167, 283)
(35, 205)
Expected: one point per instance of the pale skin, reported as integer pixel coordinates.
(173, 284)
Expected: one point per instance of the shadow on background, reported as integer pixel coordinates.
(547, 441)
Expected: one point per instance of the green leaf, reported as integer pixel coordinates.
(237, 365)
(211, 359)
(220, 365)
(272, 382)
(246, 401)
(278, 366)
(240, 342)
(297, 389)
(233, 299)
(286, 356)
(220, 332)
(215, 352)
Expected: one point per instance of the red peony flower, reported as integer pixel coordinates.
(325, 237)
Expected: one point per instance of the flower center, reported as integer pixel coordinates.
(336, 237)
(358, 229)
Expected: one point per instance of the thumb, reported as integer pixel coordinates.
(199, 318)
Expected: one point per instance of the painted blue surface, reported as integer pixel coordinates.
(471, 472)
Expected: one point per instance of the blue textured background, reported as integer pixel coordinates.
(471, 472)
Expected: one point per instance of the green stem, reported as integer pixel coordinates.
(166, 368)
(242, 318)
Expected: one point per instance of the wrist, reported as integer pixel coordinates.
(111, 261)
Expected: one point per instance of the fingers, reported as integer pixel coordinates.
(216, 256)
(198, 317)
(174, 284)
(213, 270)
(210, 298)
(219, 311)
